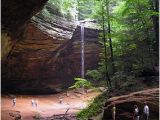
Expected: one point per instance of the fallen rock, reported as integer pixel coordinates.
(102, 89)
(60, 117)
(15, 114)
(80, 91)
(78, 95)
(124, 104)
(89, 90)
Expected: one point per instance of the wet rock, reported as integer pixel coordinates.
(91, 50)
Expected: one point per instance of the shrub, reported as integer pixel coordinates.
(94, 74)
(122, 80)
(81, 83)
(93, 109)
(37, 116)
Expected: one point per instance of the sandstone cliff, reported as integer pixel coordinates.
(47, 57)
(15, 13)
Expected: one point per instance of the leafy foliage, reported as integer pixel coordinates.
(94, 74)
(132, 24)
(94, 108)
(63, 8)
(133, 38)
(123, 80)
(81, 83)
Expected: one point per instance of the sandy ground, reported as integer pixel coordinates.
(48, 105)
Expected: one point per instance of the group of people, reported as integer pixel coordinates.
(145, 112)
(34, 102)
(136, 114)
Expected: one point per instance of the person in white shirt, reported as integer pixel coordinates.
(14, 102)
(114, 112)
(36, 103)
(136, 113)
(33, 102)
(60, 99)
(146, 111)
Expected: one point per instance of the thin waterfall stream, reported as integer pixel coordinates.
(82, 51)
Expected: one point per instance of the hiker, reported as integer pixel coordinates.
(33, 102)
(60, 100)
(114, 112)
(136, 113)
(14, 101)
(36, 102)
(67, 94)
(145, 111)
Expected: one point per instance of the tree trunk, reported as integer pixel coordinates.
(105, 53)
(155, 19)
(110, 40)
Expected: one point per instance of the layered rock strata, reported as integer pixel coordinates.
(33, 64)
(48, 56)
(15, 13)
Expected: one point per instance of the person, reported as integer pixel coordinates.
(67, 93)
(136, 113)
(32, 102)
(14, 101)
(60, 99)
(36, 102)
(146, 111)
(114, 112)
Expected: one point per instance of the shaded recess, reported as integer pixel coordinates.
(15, 13)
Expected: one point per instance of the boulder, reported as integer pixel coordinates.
(15, 114)
(124, 104)
(80, 91)
(102, 89)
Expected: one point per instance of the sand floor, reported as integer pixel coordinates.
(48, 105)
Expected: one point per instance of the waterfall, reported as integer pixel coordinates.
(82, 51)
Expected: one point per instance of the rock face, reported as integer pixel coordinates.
(91, 50)
(124, 104)
(33, 63)
(16, 12)
(47, 57)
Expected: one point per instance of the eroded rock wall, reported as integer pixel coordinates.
(48, 56)
(38, 61)
(91, 50)
(15, 13)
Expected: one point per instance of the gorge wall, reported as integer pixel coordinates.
(47, 56)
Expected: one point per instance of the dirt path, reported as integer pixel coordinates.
(48, 105)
